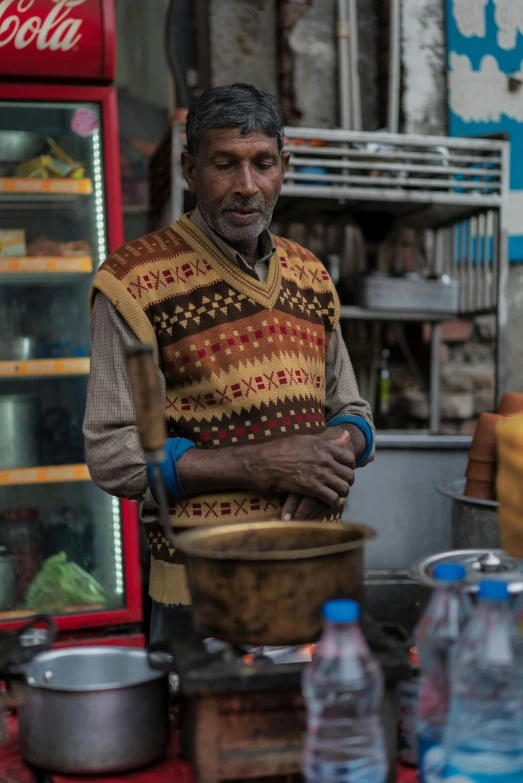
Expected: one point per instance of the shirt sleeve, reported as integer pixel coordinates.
(113, 451)
(342, 396)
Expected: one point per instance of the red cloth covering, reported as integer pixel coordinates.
(406, 775)
(14, 770)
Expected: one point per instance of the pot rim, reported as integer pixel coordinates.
(456, 491)
(187, 542)
(56, 654)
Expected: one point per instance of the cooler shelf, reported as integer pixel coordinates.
(35, 186)
(39, 368)
(40, 269)
(25, 193)
(56, 474)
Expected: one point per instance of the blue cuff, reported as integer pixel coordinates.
(175, 448)
(364, 427)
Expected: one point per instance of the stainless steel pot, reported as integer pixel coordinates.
(93, 710)
(19, 428)
(474, 521)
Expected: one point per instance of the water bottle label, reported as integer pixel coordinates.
(407, 736)
(333, 772)
(431, 760)
(452, 775)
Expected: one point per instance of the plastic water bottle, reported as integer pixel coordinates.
(436, 635)
(343, 687)
(484, 736)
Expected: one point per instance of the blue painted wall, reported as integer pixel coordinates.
(483, 31)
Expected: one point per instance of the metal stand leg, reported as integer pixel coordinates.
(435, 379)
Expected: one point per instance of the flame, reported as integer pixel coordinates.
(308, 650)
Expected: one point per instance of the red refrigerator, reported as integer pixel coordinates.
(60, 214)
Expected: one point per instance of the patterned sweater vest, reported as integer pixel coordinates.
(244, 361)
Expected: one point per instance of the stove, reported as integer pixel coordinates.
(241, 709)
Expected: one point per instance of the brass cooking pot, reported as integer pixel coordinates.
(264, 583)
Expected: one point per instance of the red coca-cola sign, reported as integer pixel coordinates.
(59, 39)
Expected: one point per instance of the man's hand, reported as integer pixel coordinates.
(318, 467)
(321, 468)
(299, 507)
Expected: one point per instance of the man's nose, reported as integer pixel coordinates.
(245, 184)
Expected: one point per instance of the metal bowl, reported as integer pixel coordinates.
(18, 349)
(17, 146)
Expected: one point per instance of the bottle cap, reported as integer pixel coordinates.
(493, 590)
(341, 611)
(449, 572)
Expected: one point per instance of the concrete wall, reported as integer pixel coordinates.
(515, 328)
(243, 42)
(423, 45)
(313, 44)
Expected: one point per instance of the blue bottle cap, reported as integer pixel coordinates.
(341, 610)
(449, 572)
(493, 590)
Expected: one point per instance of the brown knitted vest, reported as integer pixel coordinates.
(244, 361)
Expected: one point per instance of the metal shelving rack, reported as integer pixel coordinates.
(455, 189)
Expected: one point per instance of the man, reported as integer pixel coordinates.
(263, 411)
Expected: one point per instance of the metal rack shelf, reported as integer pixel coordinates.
(348, 312)
(454, 190)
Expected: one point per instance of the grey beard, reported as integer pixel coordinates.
(240, 234)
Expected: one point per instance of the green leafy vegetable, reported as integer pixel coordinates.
(61, 583)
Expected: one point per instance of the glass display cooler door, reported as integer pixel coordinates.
(66, 547)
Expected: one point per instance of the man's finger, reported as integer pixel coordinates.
(337, 435)
(289, 507)
(306, 508)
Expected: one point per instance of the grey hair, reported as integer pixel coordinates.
(237, 105)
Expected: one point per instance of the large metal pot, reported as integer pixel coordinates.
(264, 583)
(19, 428)
(93, 710)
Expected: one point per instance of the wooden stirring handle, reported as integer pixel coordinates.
(147, 397)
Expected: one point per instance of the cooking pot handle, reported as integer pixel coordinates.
(160, 658)
(31, 650)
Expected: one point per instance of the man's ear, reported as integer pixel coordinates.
(188, 169)
(285, 158)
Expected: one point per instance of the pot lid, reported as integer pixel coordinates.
(479, 564)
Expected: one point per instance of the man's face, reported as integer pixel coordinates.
(237, 180)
